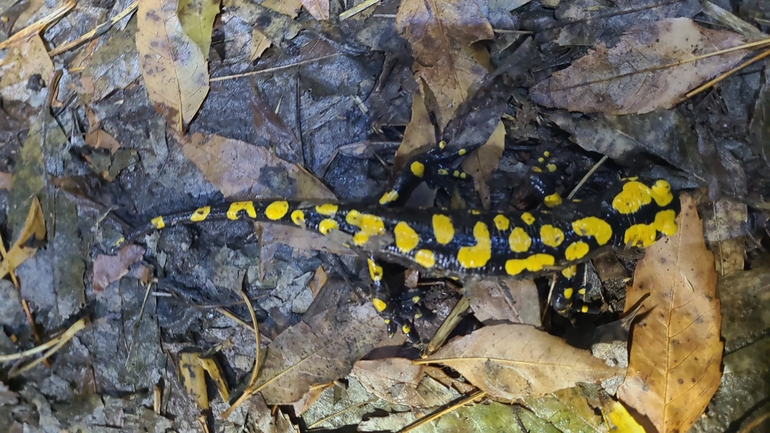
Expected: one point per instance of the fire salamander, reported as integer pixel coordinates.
(461, 243)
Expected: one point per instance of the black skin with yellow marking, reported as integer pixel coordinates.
(478, 246)
(466, 244)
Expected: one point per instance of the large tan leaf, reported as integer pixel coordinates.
(239, 169)
(173, 66)
(318, 350)
(447, 64)
(197, 19)
(519, 361)
(675, 348)
(627, 78)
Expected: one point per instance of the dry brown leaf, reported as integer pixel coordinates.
(175, 70)
(19, 66)
(239, 169)
(306, 402)
(483, 162)
(193, 378)
(675, 347)
(519, 361)
(399, 381)
(447, 63)
(285, 7)
(259, 43)
(319, 9)
(112, 268)
(100, 139)
(34, 226)
(318, 350)
(626, 78)
(319, 280)
(419, 135)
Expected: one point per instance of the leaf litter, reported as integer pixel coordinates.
(316, 130)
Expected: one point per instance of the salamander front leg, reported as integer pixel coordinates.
(392, 312)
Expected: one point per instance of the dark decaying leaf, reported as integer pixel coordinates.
(318, 350)
(447, 63)
(109, 268)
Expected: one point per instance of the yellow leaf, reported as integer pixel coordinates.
(197, 18)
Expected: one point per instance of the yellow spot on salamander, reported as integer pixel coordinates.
(551, 167)
(533, 263)
(665, 222)
(327, 209)
(576, 251)
(593, 226)
(406, 238)
(406, 329)
(478, 255)
(425, 258)
(443, 229)
(551, 236)
(537, 169)
(546, 154)
(456, 173)
(415, 299)
(568, 292)
(442, 144)
(327, 225)
(119, 241)
(298, 217)
(158, 222)
(502, 222)
(379, 305)
(235, 207)
(443, 171)
(369, 225)
(375, 270)
(276, 210)
(200, 214)
(519, 240)
(462, 152)
(475, 212)
(640, 235)
(636, 194)
(541, 160)
(569, 271)
(527, 218)
(389, 197)
(463, 175)
(584, 309)
(582, 291)
(417, 168)
(552, 200)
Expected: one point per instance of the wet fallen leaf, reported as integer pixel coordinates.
(197, 19)
(259, 44)
(484, 161)
(100, 139)
(19, 68)
(447, 63)
(676, 352)
(242, 170)
(399, 381)
(285, 7)
(174, 68)
(519, 361)
(319, 9)
(34, 226)
(317, 350)
(112, 268)
(193, 378)
(113, 65)
(508, 300)
(419, 135)
(628, 77)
